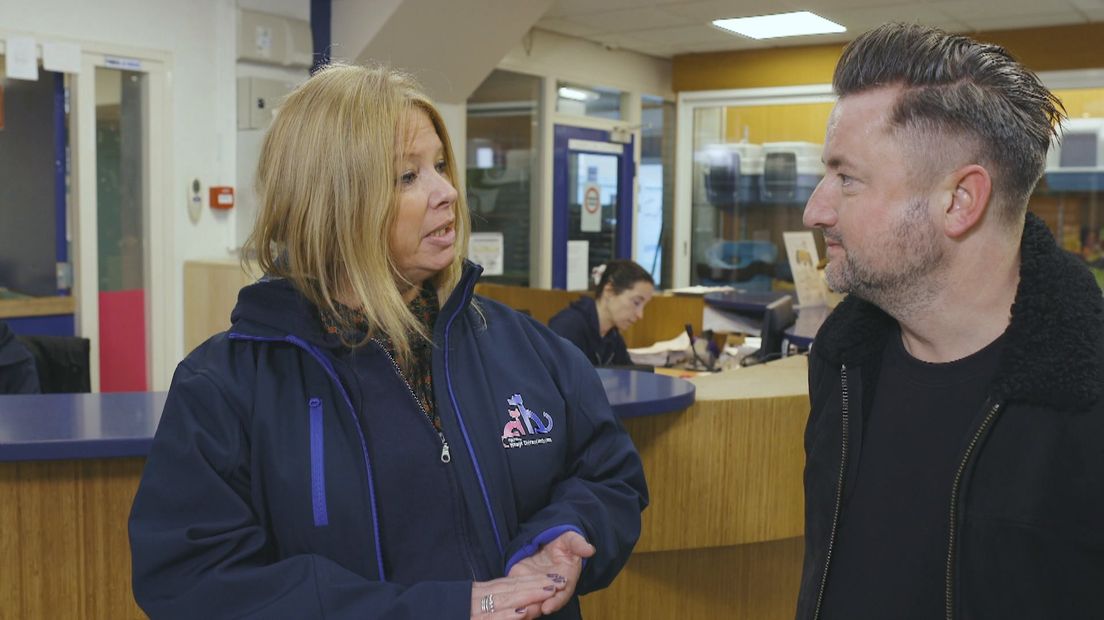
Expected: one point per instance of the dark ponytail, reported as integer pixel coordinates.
(620, 275)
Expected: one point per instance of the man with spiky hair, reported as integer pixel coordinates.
(955, 447)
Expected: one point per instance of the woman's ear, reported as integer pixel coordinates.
(973, 188)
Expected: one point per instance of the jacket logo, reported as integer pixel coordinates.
(525, 427)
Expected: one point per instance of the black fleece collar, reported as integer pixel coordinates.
(1054, 354)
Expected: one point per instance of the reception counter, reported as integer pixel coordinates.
(722, 537)
(69, 468)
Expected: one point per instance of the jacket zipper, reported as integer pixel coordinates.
(845, 421)
(955, 487)
(446, 456)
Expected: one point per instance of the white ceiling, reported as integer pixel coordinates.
(667, 27)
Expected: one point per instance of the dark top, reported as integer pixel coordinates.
(17, 365)
(579, 324)
(890, 557)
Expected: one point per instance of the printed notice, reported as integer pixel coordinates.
(591, 220)
(21, 58)
(802, 252)
(61, 57)
(487, 249)
(578, 269)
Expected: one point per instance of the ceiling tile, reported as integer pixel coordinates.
(633, 19)
(566, 26)
(574, 8)
(1012, 22)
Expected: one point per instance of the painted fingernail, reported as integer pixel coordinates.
(560, 580)
(519, 610)
(550, 588)
(554, 576)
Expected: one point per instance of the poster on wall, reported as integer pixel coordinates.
(591, 220)
(21, 58)
(578, 270)
(802, 252)
(486, 249)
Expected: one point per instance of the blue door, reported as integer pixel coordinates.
(592, 202)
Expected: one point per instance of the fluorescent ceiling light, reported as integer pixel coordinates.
(576, 94)
(780, 25)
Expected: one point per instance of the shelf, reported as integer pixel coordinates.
(37, 306)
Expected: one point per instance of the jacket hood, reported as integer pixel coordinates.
(588, 309)
(274, 308)
(1053, 356)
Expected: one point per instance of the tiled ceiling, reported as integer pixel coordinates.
(665, 28)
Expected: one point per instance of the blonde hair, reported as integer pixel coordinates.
(327, 195)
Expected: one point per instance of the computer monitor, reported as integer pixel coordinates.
(778, 316)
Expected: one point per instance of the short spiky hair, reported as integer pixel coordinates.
(955, 87)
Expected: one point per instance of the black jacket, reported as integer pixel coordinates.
(17, 365)
(579, 324)
(1026, 507)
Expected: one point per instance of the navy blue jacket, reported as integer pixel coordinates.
(263, 491)
(17, 366)
(579, 324)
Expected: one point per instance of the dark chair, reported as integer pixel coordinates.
(62, 362)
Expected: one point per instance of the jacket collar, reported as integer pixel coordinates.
(1054, 351)
(274, 308)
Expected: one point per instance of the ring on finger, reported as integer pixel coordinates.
(486, 604)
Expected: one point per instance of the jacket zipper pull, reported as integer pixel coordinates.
(445, 456)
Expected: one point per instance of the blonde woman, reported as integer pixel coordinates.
(367, 440)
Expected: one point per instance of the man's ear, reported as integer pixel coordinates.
(969, 199)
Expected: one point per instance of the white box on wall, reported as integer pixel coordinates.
(257, 98)
(273, 39)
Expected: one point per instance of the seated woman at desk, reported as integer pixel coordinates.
(594, 323)
(368, 440)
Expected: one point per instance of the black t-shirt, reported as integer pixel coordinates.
(891, 550)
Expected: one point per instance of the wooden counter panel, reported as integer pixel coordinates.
(722, 473)
(64, 551)
(758, 581)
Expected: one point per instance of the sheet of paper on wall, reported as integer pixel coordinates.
(61, 57)
(21, 58)
(802, 253)
(486, 249)
(591, 220)
(578, 267)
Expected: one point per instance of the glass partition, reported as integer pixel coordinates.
(503, 138)
(754, 166)
(1069, 197)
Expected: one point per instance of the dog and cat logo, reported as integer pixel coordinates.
(525, 428)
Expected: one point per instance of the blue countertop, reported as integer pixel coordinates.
(744, 301)
(635, 393)
(103, 425)
(83, 426)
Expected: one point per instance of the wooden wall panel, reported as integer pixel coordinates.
(1041, 49)
(665, 316)
(210, 292)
